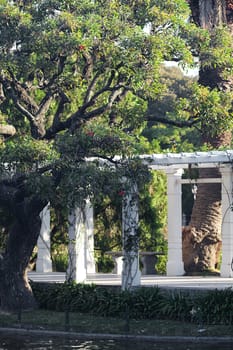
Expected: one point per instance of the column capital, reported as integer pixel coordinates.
(226, 168)
(174, 171)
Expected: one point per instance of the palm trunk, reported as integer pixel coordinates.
(202, 241)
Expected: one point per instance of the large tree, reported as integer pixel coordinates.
(215, 99)
(207, 108)
(74, 81)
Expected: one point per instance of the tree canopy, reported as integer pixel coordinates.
(76, 77)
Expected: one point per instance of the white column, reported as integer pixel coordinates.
(175, 265)
(89, 242)
(77, 270)
(227, 221)
(131, 275)
(44, 262)
(81, 243)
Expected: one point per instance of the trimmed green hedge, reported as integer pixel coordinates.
(213, 307)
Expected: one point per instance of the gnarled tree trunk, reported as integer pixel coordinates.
(202, 240)
(15, 291)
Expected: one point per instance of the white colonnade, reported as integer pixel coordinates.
(81, 246)
(81, 243)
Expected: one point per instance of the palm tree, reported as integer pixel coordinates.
(201, 243)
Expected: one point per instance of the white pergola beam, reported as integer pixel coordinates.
(163, 161)
(201, 181)
(199, 159)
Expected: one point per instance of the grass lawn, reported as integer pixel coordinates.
(86, 323)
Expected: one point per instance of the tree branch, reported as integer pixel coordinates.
(88, 68)
(152, 119)
(60, 108)
(8, 89)
(21, 93)
(20, 108)
(81, 115)
(90, 97)
(44, 106)
(90, 89)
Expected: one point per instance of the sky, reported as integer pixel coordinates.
(191, 72)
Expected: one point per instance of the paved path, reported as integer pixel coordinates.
(184, 282)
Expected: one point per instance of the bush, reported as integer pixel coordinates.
(105, 264)
(161, 264)
(60, 262)
(141, 303)
(214, 307)
(176, 306)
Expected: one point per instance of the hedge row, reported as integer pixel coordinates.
(213, 307)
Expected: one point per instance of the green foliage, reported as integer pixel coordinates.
(101, 301)
(215, 308)
(153, 214)
(60, 260)
(23, 153)
(81, 72)
(152, 211)
(211, 107)
(177, 306)
(216, 52)
(161, 263)
(59, 236)
(104, 263)
(212, 307)
(170, 138)
(83, 51)
(108, 233)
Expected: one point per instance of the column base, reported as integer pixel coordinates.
(226, 271)
(91, 268)
(43, 265)
(131, 276)
(127, 284)
(175, 269)
(76, 276)
(118, 262)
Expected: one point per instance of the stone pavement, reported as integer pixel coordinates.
(180, 282)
